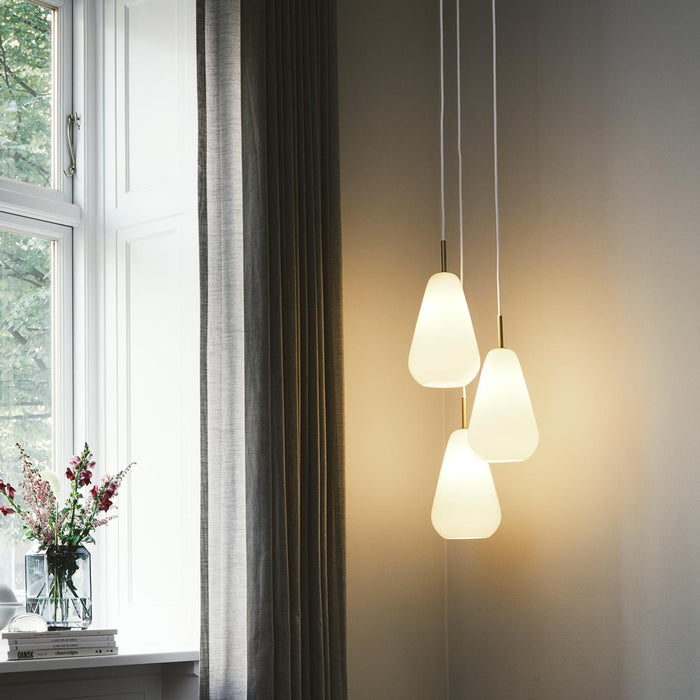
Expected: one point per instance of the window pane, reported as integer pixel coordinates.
(26, 80)
(26, 264)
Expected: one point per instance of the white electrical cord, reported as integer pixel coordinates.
(442, 118)
(459, 145)
(495, 162)
(459, 154)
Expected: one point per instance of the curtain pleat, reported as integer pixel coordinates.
(223, 665)
(283, 398)
(295, 475)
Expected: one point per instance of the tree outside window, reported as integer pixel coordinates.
(26, 82)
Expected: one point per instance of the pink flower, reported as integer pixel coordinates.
(42, 518)
(104, 521)
(105, 505)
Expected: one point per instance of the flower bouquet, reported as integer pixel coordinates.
(58, 576)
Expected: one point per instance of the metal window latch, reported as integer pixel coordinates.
(72, 121)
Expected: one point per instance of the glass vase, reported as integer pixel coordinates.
(59, 587)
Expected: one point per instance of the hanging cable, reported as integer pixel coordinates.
(459, 161)
(459, 145)
(495, 163)
(442, 120)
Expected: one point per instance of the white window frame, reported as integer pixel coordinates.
(88, 291)
(51, 214)
(62, 326)
(45, 203)
(77, 210)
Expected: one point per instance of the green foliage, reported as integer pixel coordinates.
(25, 349)
(25, 91)
(25, 262)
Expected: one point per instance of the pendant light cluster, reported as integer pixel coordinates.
(444, 354)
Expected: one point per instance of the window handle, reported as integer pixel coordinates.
(72, 121)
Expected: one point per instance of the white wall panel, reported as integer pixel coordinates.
(152, 316)
(158, 393)
(151, 125)
(85, 685)
(116, 678)
(150, 97)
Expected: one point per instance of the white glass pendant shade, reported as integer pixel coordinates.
(466, 505)
(444, 352)
(503, 426)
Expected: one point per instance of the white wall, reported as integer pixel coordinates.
(590, 587)
(390, 208)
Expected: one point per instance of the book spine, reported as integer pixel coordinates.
(29, 654)
(61, 643)
(59, 635)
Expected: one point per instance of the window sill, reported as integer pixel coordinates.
(121, 659)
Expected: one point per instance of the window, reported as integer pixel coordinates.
(35, 101)
(134, 287)
(27, 48)
(35, 249)
(25, 346)
(35, 266)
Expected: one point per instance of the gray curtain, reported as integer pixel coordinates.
(283, 466)
(223, 665)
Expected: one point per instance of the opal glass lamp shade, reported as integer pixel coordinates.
(503, 426)
(466, 505)
(444, 352)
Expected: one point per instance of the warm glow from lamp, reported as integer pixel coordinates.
(466, 505)
(444, 352)
(503, 426)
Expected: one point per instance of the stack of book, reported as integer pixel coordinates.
(59, 644)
